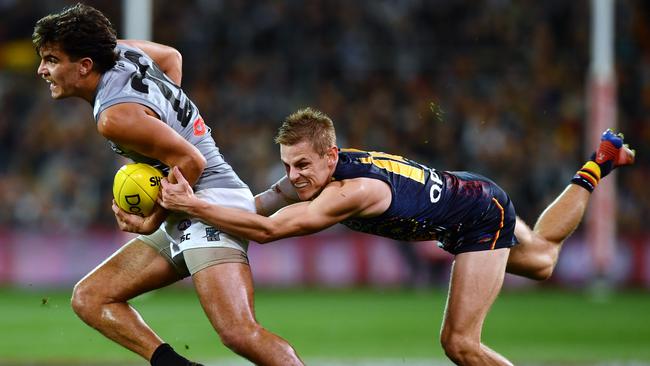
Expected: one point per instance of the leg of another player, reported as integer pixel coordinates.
(476, 280)
(226, 294)
(536, 255)
(100, 298)
(538, 250)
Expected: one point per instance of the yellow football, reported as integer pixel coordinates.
(136, 187)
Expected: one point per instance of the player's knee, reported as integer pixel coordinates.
(545, 268)
(460, 348)
(84, 300)
(539, 262)
(241, 337)
(544, 274)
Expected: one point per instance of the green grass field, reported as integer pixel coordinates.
(540, 327)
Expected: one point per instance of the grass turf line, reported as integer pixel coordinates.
(538, 326)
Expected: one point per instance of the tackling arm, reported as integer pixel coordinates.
(279, 195)
(338, 201)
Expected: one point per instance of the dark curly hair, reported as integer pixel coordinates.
(80, 31)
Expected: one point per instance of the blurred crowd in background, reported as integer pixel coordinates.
(497, 87)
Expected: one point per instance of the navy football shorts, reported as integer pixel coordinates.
(489, 224)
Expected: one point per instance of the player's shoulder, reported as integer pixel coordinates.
(124, 110)
(359, 186)
(349, 153)
(360, 196)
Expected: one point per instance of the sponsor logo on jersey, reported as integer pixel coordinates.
(212, 234)
(199, 127)
(184, 225)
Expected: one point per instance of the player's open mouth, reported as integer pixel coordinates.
(51, 83)
(301, 185)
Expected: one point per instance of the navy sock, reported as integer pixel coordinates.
(588, 176)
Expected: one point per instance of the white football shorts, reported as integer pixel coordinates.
(181, 233)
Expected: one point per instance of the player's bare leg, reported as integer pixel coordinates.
(538, 250)
(100, 298)
(226, 294)
(475, 282)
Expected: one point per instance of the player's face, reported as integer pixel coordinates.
(308, 172)
(62, 74)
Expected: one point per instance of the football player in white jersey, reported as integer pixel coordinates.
(134, 88)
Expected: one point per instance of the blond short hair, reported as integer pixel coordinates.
(308, 124)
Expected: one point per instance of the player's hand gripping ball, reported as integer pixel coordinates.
(136, 187)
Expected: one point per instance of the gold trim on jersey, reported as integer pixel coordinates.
(394, 164)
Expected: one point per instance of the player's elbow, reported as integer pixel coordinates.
(192, 165)
(176, 57)
(263, 239)
(266, 235)
(174, 67)
(200, 162)
(271, 230)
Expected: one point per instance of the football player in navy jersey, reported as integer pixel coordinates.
(395, 197)
(139, 106)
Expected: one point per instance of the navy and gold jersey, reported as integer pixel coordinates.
(463, 211)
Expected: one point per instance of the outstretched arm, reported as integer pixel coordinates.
(338, 201)
(168, 58)
(279, 195)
